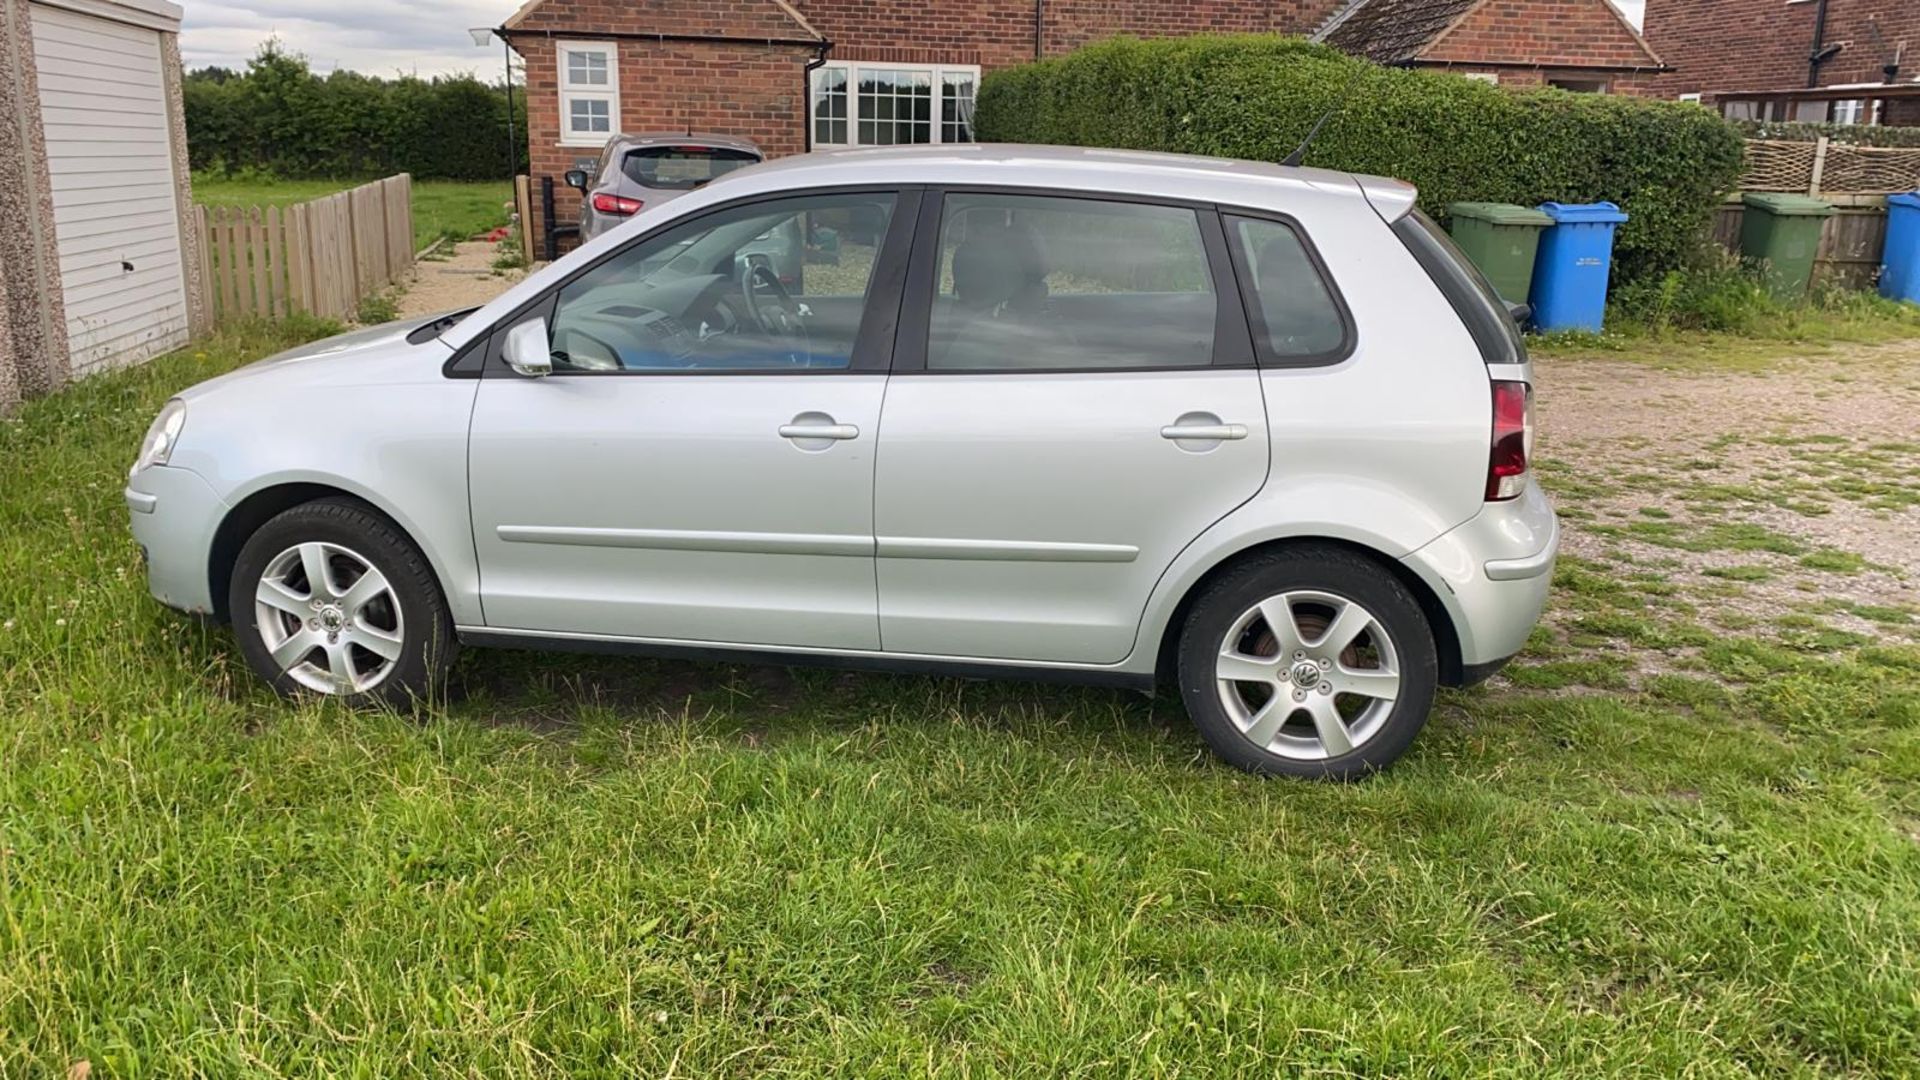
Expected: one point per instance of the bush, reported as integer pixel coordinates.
(1255, 96)
(278, 118)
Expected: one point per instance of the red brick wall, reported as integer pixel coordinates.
(725, 88)
(1572, 33)
(1763, 44)
(1632, 85)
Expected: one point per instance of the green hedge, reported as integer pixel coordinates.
(1255, 96)
(278, 117)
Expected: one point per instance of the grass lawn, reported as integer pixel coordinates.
(440, 207)
(1665, 847)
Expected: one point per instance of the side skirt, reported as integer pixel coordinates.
(896, 665)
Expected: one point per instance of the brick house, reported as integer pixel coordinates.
(798, 74)
(1821, 60)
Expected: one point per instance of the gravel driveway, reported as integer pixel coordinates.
(1783, 502)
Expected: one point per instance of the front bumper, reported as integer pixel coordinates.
(174, 515)
(1492, 574)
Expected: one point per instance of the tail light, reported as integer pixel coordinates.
(1512, 440)
(618, 205)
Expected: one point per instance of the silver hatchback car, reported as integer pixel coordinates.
(1082, 414)
(646, 169)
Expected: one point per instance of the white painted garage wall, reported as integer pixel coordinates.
(116, 210)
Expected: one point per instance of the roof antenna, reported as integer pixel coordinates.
(1299, 154)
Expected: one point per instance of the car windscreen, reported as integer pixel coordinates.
(1466, 288)
(683, 168)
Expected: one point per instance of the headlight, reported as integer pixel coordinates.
(158, 445)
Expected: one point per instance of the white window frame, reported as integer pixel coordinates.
(1483, 76)
(570, 93)
(937, 72)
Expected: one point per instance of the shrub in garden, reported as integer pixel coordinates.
(1255, 97)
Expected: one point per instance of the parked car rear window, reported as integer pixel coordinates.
(1294, 312)
(1466, 288)
(682, 168)
(1037, 283)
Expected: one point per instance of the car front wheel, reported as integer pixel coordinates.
(331, 598)
(1311, 662)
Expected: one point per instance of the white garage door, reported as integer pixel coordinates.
(116, 213)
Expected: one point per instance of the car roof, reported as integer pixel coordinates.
(1137, 172)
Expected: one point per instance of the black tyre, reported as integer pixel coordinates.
(331, 598)
(1310, 661)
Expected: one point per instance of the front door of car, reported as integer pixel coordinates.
(699, 465)
(1074, 400)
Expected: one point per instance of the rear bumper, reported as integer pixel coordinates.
(174, 514)
(1492, 574)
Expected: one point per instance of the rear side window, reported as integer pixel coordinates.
(1296, 318)
(1466, 288)
(682, 168)
(1038, 283)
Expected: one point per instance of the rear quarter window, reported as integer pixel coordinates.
(1465, 287)
(1297, 317)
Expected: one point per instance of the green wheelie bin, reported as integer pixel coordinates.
(1502, 240)
(1783, 231)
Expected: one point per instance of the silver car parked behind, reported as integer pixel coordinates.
(646, 169)
(1085, 414)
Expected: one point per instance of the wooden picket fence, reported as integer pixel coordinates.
(321, 257)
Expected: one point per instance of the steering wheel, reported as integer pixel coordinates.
(775, 312)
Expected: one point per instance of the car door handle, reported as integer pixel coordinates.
(1207, 432)
(819, 431)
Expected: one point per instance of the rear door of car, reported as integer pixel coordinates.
(1074, 399)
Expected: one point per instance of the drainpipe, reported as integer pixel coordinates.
(1039, 29)
(1820, 54)
(821, 49)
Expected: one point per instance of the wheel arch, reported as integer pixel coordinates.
(1446, 635)
(262, 506)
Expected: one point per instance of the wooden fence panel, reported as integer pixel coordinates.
(1851, 242)
(320, 257)
(229, 248)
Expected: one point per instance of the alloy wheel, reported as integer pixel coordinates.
(329, 618)
(1308, 675)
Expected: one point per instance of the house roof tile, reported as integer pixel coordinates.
(1390, 31)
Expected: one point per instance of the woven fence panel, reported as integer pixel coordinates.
(1870, 170)
(1779, 165)
(1782, 165)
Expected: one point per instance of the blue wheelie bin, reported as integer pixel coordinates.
(1900, 261)
(1570, 275)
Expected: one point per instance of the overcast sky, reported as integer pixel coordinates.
(378, 37)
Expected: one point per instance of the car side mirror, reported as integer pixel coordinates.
(1521, 314)
(528, 350)
(576, 178)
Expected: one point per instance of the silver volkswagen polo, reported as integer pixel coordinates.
(1081, 414)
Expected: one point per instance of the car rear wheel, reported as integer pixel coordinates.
(1312, 662)
(331, 598)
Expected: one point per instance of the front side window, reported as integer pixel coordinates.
(880, 104)
(776, 286)
(1294, 312)
(589, 92)
(1036, 283)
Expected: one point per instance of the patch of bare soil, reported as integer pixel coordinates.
(450, 280)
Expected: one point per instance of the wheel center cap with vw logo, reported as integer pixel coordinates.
(1306, 674)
